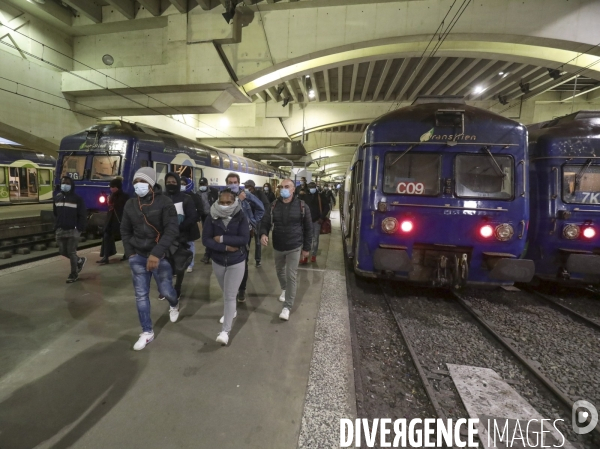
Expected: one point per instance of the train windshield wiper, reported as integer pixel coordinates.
(402, 155)
(582, 172)
(500, 172)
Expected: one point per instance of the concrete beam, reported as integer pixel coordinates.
(88, 8)
(125, 7)
(153, 6)
(396, 79)
(365, 87)
(180, 5)
(384, 73)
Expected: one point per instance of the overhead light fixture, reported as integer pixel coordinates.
(502, 99)
(230, 10)
(108, 60)
(524, 87)
(311, 94)
(285, 102)
(478, 90)
(554, 73)
(501, 73)
(40, 2)
(224, 122)
(307, 76)
(505, 75)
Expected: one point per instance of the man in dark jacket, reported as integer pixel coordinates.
(112, 225)
(207, 195)
(187, 187)
(319, 208)
(70, 219)
(186, 216)
(329, 195)
(292, 234)
(148, 229)
(260, 194)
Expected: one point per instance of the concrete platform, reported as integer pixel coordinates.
(23, 210)
(69, 376)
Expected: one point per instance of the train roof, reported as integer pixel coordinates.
(444, 119)
(121, 128)
(12, 153)
(576, 135)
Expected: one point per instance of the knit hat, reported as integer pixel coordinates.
(117, 182)
(148, 174)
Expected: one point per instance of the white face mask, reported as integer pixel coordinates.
(141, 189)
(203, 188)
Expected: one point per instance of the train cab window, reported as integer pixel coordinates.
(412, 174)
(214, 159)
(183, 170)
(45, 177)
(581, 184)
(477, 176)
(105, 167)
(161, 173)
(73, 166)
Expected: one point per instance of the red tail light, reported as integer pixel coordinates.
(406, 226)
(589, 233)
(486, 231)
(102, 199)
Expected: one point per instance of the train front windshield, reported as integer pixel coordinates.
(103, 167)
(480, 176)
(581, 184)
(412, 173)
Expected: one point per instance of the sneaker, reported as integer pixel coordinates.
(282, 296)
(313, 259)
(222, 320)
(304, 261)
(173, 313)
(161, 297)
(72, 278)
(241, 296)
(189, 270)
(81, 263)
(258, 264)
(223, 338)
(145, 338)
(285, 314)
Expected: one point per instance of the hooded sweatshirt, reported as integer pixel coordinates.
(186, 210)
(69, 210)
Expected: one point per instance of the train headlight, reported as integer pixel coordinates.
(504, 232)
(389, 225)
(571, 231)
(406, 226)
(486, 231)
(102, 199)
(589, 233)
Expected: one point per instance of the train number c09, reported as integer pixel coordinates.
(410, 188)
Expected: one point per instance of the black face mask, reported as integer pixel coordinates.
(172, 189)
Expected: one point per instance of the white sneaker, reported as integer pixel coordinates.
(282, 296)
(223, 338)
(285, 314)
(222, 320)
(189, 270)
(173, 313)
(145, 338)
(161, 298)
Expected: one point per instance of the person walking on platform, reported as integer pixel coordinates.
(251, 187)
(269, 192)
(254, 210)
(329, 196)
(112, 225)
(226, 233)
(187, 187)
(291, 222)
(319, 208)
(148, 229)
(187, 218)
(208, 196)
(70, 219)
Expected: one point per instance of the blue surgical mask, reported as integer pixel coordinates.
(202, 188)
(312, 190)
(285, 193)
(141, 189)
(65, 187)
(182, 189)
(235, 188)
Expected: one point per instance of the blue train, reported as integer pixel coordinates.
(437, 193)
(117, 148)
(564, 241)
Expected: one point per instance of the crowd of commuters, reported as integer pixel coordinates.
(155, 226)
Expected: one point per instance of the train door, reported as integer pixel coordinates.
(4, 188)
(161, 173)
(355, 205)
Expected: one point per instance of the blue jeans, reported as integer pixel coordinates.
(193, 250)
(163, 276)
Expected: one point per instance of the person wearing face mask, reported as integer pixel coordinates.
(207, 195)
(319, 208)
(187, 187)
(269, 192)
(251, 187)
(148, 229)
(186, 216)
(254, 210)
(291, 222)
(70, 219)
(226, 232)
(116, 204)
(329, 197)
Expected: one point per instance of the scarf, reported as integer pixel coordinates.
(225, 215)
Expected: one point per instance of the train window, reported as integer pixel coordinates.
(413, 174)
(234, 163)
(226, 161)
(45, 178)
(214, 159)
(477, 176)
(2, 176)
(251, 169)
(581, 184)
(183, 170)
(105, 167)
(73, 166)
